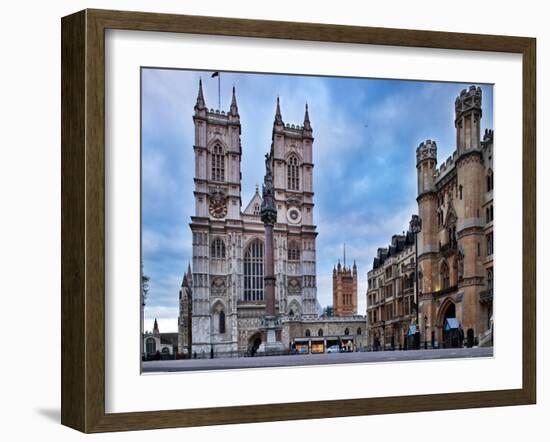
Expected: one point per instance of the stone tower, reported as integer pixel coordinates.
(428, 247)
(217, 217)
(295, 231)
(344, 289)
(470, 183)
(456, 213)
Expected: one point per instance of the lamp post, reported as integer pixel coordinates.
(415, 227)
(425, 332)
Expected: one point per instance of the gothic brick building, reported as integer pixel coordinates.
(344, 289)
(455, 244)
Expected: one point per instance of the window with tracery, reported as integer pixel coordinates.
(217, 249)
(293, 251)
(254, 271)
(218, 166)
(445, 281)
(293, 174)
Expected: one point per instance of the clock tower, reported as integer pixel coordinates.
(216, 223)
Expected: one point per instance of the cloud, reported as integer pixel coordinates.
(366, 133)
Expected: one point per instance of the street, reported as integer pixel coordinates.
(313, 359)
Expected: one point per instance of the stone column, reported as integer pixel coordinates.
(269, 275)
(269, 217)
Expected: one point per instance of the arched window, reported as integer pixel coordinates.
(445, 276)
(359, 331)
(460, 191)
(221, 324)
(254, 271)
(308, 333)
(256, 209)
(346, 331)
(293, 251)
(217, 249)
(489, 180)
(293, 174)
(490, 278)
(218, 166)
(320, 332)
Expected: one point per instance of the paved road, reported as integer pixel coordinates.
(315, 359)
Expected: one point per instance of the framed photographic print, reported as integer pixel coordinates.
(269, 221)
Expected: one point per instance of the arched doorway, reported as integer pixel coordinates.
(254, 343)
(451, 333)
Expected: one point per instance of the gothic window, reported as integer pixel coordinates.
(256, 209)
(293, 174)
(217, 249)
(346, 331)
(460, 192)
(445, 283)
(254, 271)
(221, 324)
(490, 244)
(293, 251)
(490, 278)
(359, 331)
(489, 180)
(308, 333)
(218, 166)
(320, 332)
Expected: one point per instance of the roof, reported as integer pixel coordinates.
(256, 199)
(397, 245)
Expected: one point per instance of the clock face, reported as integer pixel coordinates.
(294, 216)
(218, 209)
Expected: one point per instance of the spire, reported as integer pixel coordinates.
(278, 117)
(354, 267)
(234, 110)
(307, 123)
(189, 274)
(339, 265)
(344, 256)
(156, 328)
(200, 98)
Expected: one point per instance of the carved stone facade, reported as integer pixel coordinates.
(455, 245)
(227, 281)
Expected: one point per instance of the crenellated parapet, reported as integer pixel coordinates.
(426, 150)
(468, 100)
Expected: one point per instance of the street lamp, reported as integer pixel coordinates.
(415, 226)
(425, 332)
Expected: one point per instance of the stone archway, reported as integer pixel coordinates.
(451, 338)
(254, 343)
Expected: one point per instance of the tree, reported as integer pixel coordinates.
(328, 311)
(144, 287)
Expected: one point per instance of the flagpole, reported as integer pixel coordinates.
(219, 93)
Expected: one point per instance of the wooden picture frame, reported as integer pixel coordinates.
(83, 220)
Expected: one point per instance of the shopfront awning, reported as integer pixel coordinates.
(451, 324)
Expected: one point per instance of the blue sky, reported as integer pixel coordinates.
(366, 133)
